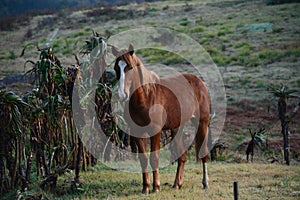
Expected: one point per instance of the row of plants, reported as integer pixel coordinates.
(39, 137)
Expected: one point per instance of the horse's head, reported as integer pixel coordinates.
(125, 66)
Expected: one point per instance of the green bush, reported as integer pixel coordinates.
(209, 34)
(277, 30)
(165, 7)
(244, 51)
(184, 21)
(81, 33)
(218, 56)
(12, 55)
(225, 30)
(197, 29)
(161, 56)
(241, 44)
(270, 55)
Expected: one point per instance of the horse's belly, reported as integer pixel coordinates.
(179, 114)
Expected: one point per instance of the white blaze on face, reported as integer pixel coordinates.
(121, 92)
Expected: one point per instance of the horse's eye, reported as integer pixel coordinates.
(130, 67)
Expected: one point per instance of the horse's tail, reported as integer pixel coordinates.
(203, 137)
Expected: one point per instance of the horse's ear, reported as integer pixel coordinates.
(115, 51)
(130, 49)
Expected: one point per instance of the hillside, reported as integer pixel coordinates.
(253, 44)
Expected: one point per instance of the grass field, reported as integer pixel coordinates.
(255, 182)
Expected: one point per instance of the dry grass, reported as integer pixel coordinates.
(256, 181)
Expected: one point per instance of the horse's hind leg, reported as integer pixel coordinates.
(202, 149)
(141, 143)
(179, 174)
(179, 152)
(205, 175)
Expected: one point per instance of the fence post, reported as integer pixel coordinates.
(235, 190)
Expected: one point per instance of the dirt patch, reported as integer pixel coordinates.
(247, 114)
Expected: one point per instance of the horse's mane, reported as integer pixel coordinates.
(148, 78)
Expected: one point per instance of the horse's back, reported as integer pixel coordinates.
(187, 83)
(186, 95)
(202, 95)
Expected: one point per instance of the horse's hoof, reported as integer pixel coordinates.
(145, 191)
(155, 190)
(176, 187)
(205, 186)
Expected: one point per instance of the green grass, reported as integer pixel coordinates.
(241, 44)
(79, 33)
(197, 29)
(161, 56)
(184, 21)
(220, 59)
(209, 34)
(268, 56)
(244, 51)
(260, 83)
(217, 55)
(11, 55)
(262, 181)
(278, 30)
(226, 29)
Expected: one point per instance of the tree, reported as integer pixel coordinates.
(283, 93)
(257, 137)
(55, 136)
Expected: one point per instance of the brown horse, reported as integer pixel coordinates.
(155, 104)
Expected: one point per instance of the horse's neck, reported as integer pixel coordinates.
(145, 84)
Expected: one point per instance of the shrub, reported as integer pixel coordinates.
(242, 44)
(161, 56)
(165, 7)
(80, 33)
(197, 29)
(184, 22)
(209, 35)
(225, 30)
(12, 55)
(277, 30)
(244, 51)
(270, 56)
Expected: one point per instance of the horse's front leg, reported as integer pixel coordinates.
(154, 160)
(141, 143)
